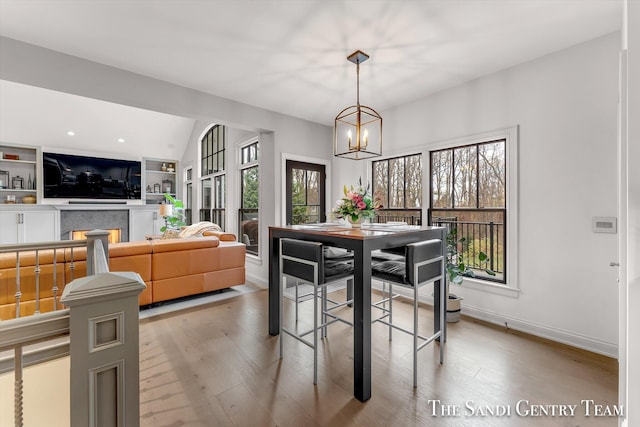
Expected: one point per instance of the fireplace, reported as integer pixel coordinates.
(114, 235)
(90, 219)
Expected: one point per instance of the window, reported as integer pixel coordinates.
(248, 221)
(468, 194)
(213, 179)
(397, 186)
(188, 202)
(212, 150)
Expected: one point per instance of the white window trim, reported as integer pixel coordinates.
(510, 135)
(241, 167)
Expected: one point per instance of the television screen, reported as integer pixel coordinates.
(80, 177)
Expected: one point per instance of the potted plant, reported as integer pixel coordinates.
(173, 214)
(457, 270)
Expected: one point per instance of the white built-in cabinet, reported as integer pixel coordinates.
(160, 177)
(18, 170)
(23, 226)
(144, 223)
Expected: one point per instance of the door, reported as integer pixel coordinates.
(9, 228)
(38, 226)
(305, 187)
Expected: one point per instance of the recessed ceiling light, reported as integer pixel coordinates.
(70, 133)
(121, 140)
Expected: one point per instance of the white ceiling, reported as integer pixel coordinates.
(290, 55)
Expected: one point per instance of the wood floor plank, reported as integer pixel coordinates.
(216, 365)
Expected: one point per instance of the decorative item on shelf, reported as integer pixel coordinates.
(12, 157)
(170, 168)
(358, 128)
(11, 199)
(164, 167)
(149, 189)
(17, 183)
(167, 186)
(4, 179)
(29, 200)
(29, 183)
(156, 187)
(356, 205)
(33, 184)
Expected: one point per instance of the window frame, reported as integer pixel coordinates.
(221, 131)
(405, 208)
(252, 163)
(510, 135)
(476, 199)
(187, 174)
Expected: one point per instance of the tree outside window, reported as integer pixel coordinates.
(397, 186)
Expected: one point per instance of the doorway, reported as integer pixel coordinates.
(305, 190)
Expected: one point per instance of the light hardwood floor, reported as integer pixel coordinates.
(216, 365)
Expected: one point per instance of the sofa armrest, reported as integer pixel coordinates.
(224, 237)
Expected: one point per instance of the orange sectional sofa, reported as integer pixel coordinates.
(170, 268)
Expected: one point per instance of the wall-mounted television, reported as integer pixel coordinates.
(81, 177)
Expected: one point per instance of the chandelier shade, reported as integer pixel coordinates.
(358, 128)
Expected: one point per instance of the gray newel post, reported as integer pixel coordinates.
(95, 263)
(104, 349)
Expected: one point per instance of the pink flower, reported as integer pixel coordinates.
(361, 204)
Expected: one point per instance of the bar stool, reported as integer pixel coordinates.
(305, 261)
(332, 256)
(422, 263)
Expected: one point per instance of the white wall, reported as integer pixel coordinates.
(565, 105)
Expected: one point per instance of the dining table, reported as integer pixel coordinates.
(362, 241)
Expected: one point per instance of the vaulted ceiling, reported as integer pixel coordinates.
(289, 56)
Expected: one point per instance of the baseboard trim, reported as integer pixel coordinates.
(542, 331)
(554, 334)
(257, 280)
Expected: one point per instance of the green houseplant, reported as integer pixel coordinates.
(457, 270)
(174, 217)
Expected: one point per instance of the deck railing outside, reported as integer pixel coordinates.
(410, 216)
(487, 237)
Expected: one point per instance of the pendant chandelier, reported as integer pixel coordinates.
(358, 128)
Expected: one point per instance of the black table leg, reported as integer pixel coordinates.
(362, 323)
(274, 282)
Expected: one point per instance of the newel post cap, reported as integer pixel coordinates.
(102, 287)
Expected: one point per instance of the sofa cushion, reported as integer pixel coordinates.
(184, 244)
(131, 256)
(130, 248)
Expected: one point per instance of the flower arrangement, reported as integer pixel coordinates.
(356, 204)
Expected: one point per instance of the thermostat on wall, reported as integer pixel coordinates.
(605, 224)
